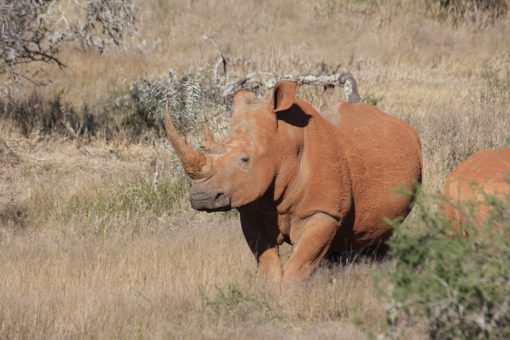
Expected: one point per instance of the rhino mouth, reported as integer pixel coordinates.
(210, 201)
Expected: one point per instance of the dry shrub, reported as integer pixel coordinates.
(35, 31)
(36, 114)
(474, 11)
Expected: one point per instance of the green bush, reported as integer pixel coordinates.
(454, 286)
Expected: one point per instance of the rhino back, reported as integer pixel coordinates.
(384, 156)
(487, 165)
(483, 173)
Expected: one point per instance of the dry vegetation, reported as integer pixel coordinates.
(97, 238)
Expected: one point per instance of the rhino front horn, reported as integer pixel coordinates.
(193, 161)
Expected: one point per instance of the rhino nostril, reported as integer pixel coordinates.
(218, 195)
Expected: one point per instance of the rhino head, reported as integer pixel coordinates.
(241, 170)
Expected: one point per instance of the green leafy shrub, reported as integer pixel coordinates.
(454, 286)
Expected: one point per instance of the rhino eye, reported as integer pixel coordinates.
(244, 160)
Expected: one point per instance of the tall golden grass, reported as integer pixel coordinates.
(98, 239)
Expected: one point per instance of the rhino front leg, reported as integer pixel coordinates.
(269, 265)
(264, 247)
(314, 243)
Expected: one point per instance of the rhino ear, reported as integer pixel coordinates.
(284, 95)
(243, 97)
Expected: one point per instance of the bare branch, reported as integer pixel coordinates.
(254, 81)
(32, 31)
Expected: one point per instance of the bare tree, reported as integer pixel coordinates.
(35, 30)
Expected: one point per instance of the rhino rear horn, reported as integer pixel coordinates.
(209, 143)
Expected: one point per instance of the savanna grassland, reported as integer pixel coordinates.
(97, 238)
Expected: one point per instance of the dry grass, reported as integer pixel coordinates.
(90, 250)
(98, 241)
